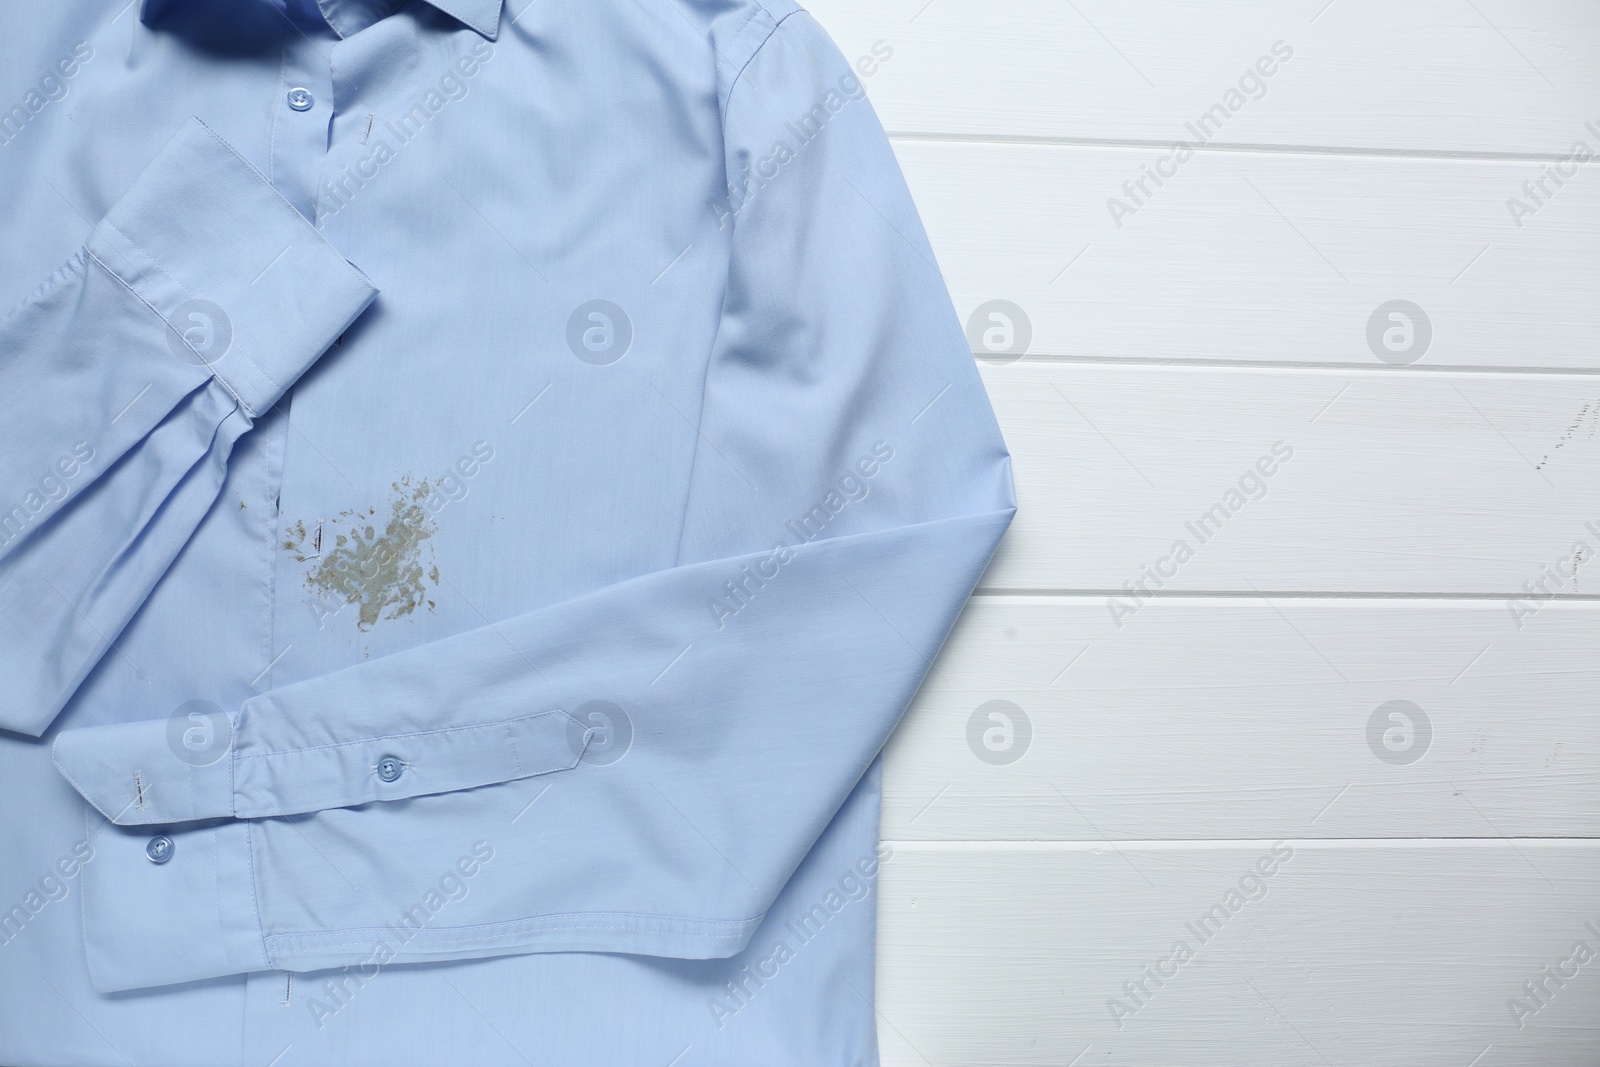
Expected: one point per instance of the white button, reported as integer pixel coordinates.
(301, 99)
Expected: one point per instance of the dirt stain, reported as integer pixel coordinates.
(384, 573)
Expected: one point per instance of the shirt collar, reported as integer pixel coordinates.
(482, 15)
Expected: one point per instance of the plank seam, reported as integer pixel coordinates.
(1236, 147)
(1182, 362)
(1277, 594)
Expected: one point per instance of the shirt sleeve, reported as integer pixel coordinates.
(125, 380)
(470, 797)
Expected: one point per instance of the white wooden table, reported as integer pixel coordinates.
(1334, 747)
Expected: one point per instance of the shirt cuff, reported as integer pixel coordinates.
(240, 277)
(170, 894)
(161, 772)
(159, 910)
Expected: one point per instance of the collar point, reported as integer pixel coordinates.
(481, 16)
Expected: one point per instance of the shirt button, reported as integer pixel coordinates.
(159, 848)
(390, 768)
(301, 99)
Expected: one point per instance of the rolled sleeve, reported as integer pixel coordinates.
(125, 380)
(201, 226)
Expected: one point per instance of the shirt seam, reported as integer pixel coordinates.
(211, 371)
(255, 896)
(705, 379)
(83, 902)
(757, 50)
(619, 920)
(511, 739)
(273, 526)
(272, 131)
(759, 10)
(72, 268)
(392, 737)
(216, 871)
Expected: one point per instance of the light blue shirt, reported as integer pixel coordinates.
(478, 488)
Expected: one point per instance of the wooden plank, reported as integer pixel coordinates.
(1346, 955)
(1261, 257)
(1424, 75)
(1205, 718)
(1381, 483)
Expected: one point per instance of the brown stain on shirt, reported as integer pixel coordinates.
(383, 574)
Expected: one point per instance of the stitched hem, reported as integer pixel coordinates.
(627, 932)
(508, 723)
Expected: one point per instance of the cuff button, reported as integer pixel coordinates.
(390, 768)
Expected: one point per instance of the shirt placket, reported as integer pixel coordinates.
(303, 107)
(302, 115)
